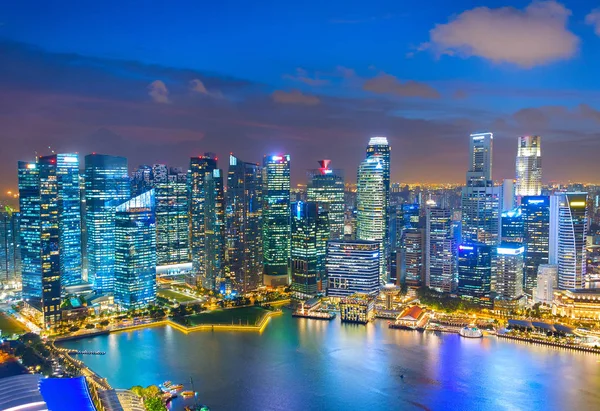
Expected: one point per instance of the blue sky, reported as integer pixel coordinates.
(315, 79)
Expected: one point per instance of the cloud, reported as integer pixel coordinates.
(527, 38)
(303, 77)
(345, 71)
(198, 86)
(593, 19)
(294, 97)
(388, 84)
(159, 92)
(459, 95)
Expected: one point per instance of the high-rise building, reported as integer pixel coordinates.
(135, 252)
(326, 187)
(529, 166)
(536, 227)
(214, 229)
(352, 267)
(440, 250)
(545, 283)
(475, 273)
(310, 230)
(412, 258)
(568, 231)
(512, 227)
(372, 219)
(244, 219)
(142, 180)
(276, 219)
(509, 273)
(106, 186)
(10, 247)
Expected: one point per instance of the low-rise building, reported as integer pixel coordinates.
(577, 303)
(413, 317)
(357, 308)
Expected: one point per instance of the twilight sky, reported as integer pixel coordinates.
(316, 79)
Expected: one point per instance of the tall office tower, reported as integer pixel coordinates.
(352, 267)
(475, 273)
(276, 219)
(172, 218)
(536, 227)
(214, 229)
(106, 186)
(135, 252)
(200, 168)
(372, 220)
(545, 283)
(326, 186)
(512, 227)
(507, 195)
(480, 199)
(10, 247)
(310, 231)
(440, 250)
(412, 258)
(509, 282)
(244, 219)
(141, 180)
(529, 166)
(568, 231)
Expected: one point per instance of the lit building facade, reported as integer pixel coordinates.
(568, 232)
(326, 187)
(545, 283)
(529, 166)
(440, 250)
(412, 258)
(509, 273)
(135, 252)
(352, 267)
(536, 228)
(512, 227)
(10, 247)
(276, 219)
(310, 231)
(475, 273)
(106, 186)
(244, 219)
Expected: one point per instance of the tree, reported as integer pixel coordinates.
(137, 390)
(152, 391)
(154, 404)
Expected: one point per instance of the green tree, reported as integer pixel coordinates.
(152, 391)
(138, 390)
(154, 404)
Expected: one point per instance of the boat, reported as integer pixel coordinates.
(167, 384)
(176, 387)
(470, 332)
(188, 394)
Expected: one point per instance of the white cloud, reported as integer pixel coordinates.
(294, 97)
(593, 19)
(159, 92)
(302, 76)
(534, 36)
(198, 86)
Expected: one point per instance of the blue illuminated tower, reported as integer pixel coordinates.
(475, 273)
(536, 225)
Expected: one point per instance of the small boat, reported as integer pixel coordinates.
(176, 387)
(167, 384)
(188, 394)
(470, 332)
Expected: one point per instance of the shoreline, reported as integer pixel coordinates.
(590, 350)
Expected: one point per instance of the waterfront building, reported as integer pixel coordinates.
(509, 273)
(10, 247)
(475, 273)
(578, 303)
(568, 231)
(326, 187)
(244, 219)
(372, 219)
(412, 258)
(545, 283)
(135, 252)
(310, 230)
(529, 166)
(357, 308)
(536, 227)
(440, 250)
(276, 220)
(106, 186)
(512, 227)
(352, 267)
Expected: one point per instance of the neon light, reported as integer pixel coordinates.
(465, 247)
(510, 251)
(30, 166)
(276, 158)
(577, 203)
(374, 141)
(70, 159)
(535, 201)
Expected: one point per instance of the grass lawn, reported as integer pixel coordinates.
(179, 297)
(247, 316)
(10, 326)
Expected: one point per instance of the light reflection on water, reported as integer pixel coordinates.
(311, 364)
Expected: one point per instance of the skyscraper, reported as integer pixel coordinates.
(244, 219)
(568, 231)
(352, 267)
(135, 252)
(509, 282)
(10, 247)
(310, 230)
(106, 186)
(326, 186)
(475, 273)
(440, 250)
(214, 229)
(276, 219)
(412, 258)
(536, 227)
(529, 166)
(512, 227)
(372, 219)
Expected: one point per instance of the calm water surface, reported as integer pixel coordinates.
(299, 364)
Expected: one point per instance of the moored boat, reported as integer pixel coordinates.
(470, 332)
(188, 394)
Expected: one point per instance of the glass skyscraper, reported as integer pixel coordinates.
(244, 219)
(529, 166)
(10, 247)
(135, 252)
(440, 250)
(475, 273)
(412, 264)
(536, 227)
(512, 226)
(214, 229)
(310, 230)
(106, 186)
(276, 219)
(326, 186)
(509, 273)
(352, 267)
